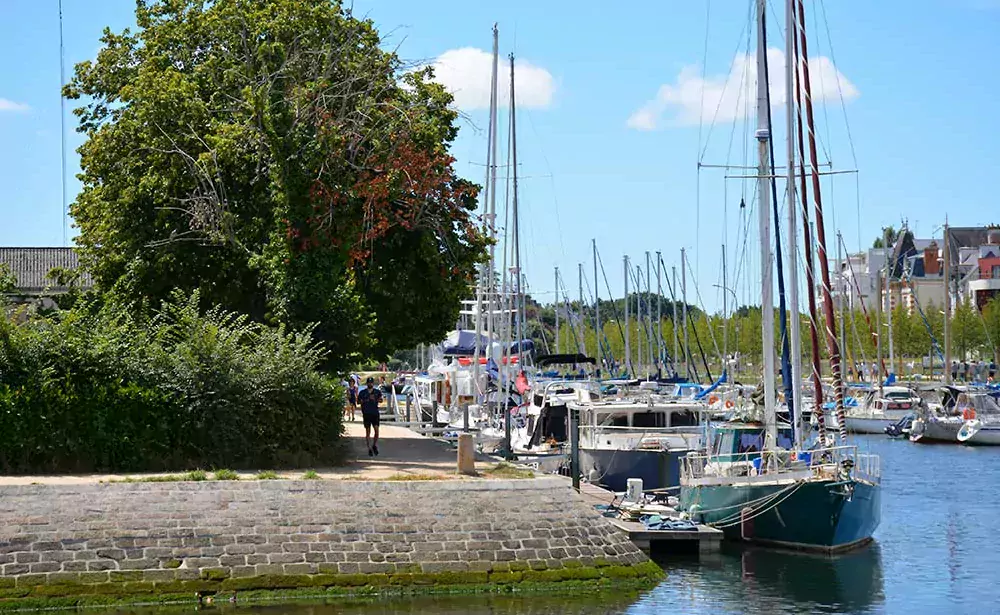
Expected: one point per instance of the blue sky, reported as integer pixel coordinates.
(608, 130)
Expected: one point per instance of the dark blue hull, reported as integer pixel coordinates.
(818, 515)
(612, 468)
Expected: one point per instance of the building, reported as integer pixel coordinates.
(31, 268)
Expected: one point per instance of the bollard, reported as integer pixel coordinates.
(465, 417)
(466, 454)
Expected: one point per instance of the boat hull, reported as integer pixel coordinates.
(935, 432)
(857, 424)
(987, 436)
(612, 468)
(819, 515)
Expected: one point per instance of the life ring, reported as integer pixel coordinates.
(712, 400)
(729, 404)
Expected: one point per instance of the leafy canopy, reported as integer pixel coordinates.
(273, 156)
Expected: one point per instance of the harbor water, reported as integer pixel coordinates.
(937, 551)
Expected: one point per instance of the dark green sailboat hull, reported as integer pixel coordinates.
(816, 516)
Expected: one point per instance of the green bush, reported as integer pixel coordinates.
(96, 389)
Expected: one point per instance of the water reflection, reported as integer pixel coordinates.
(753, 580)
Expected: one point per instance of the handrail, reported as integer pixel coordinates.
(819, 460)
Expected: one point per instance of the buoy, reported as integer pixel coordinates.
(729, 403)
(712, 399)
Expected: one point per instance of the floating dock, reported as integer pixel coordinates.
(704, 539)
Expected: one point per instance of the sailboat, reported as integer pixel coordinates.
(758, 481)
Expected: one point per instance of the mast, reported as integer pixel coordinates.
(725, 319)
(517, 226)
(557, 310)
(888, 298)
(649, 314)
(640, 322)
(598, 330)
(491, 290)
(832, 343)
(879, 327)
(843, 296)
(946, 255)
(659, 311)
(673, 321)
(628, 344)
(795, 407)
(684, 313)
(583, 336)
(763, 135)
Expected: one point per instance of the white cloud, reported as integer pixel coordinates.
(466, 74)
(10, 105)
(729, 97)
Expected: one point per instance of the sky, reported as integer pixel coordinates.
(616, 109)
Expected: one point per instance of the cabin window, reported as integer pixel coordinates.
(649, 419)
(751, 443)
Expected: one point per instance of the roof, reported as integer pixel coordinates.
(31, 267)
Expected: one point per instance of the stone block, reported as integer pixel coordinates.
(286, 558)
(115, 554)
(202, 562)
(244, 571)
(102, 564)
(42, 567)
(253, 560)
(10, 570)
(157, 576)
(299, 568)
(238, 549)
(263, 569)
(348, 568)
(233, 560)
(139, 564)
(27, 557)
(74, 566)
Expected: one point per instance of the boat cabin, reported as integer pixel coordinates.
(741, 442)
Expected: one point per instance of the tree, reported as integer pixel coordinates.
(889, 231)
(991, 316)
(967, 333)
(275, 157)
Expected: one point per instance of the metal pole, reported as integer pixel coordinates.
(639, 321)
(583, 330)
(597, 311)
(659, 311)
(684, 312)
(649, 313)
(557, 310)
(763, 135)
(673, 320)
(888, 299)
(946, 255)
(795, 336)
(725, 319)
(517, 225)
(574, 444)
(628, 344)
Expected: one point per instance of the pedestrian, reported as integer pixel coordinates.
(370, 398)
(352, 396)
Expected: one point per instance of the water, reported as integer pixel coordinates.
(937, 551)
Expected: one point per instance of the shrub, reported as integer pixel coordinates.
(96, 389)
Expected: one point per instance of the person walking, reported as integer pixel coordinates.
(370, 398)
(352, 396)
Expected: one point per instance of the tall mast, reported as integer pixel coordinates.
(832, 343)
(793, 270)
(517, 225)
(640, 324)
(649, 312)
(888, 298)
(763, 136)
(491, 290)
(817, 365)
(599, 332)
(673, 320)
(659, 310)
(725, 319)
(556, 303)
(946, 255)
(684, 313)
(583, 331)
(842, 291)
(628, 344)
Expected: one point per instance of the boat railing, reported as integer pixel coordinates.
(641, 438)
(833, 461)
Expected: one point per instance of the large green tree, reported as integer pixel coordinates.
(274, 156)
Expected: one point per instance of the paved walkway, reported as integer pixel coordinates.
(402, 453)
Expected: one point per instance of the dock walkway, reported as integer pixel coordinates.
(708, 539)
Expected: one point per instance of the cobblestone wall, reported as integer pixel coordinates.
(148, 534)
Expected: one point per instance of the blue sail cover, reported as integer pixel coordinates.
(714, 386)
(462, 343)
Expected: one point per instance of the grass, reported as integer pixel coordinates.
(507, 470)
(195, 475)
(413, 477)
(267, 475)
(226, 475)
(310, 475)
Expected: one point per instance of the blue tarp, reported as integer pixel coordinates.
(713, 387)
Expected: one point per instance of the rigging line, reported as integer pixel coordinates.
(840, 91)
(725, 86)
(697, 293)
(62, 127)
(614, 305)
(552, 180)
(704, 69)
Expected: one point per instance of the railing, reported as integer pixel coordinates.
(832, 462)
(640, 438)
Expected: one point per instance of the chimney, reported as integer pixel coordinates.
(932, 263)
